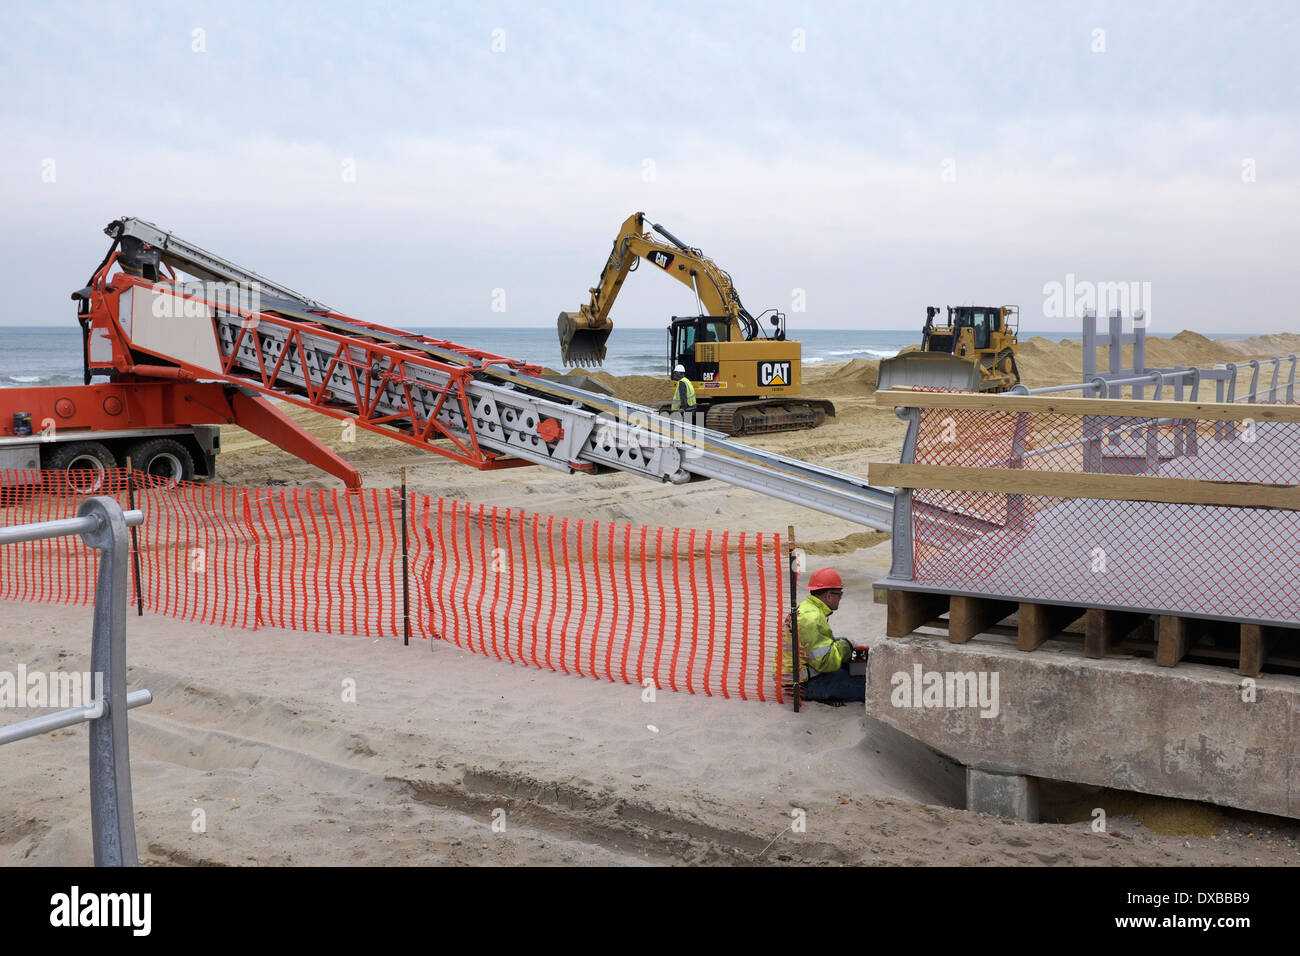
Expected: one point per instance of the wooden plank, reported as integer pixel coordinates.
(908, 610)
(1255, 642)
(1042, 622)
(1059, 405)
(1104, 628)
(968, 616)
(1061, 484)
(1171, 639)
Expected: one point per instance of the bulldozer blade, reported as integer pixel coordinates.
(928, 370)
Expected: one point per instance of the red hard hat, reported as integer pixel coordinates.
(823, 579)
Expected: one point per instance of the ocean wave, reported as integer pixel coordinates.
(25, 379)
(840, 355)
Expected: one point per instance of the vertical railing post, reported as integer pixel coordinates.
(112, 812)
(1230, 427)
(1016, 510)
(1089, 344)
(903, 559)
(1116, 352)
(1139, 351)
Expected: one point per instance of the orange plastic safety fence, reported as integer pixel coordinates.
(677, 609)
(696, 611)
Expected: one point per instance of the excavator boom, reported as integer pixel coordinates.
(583, 333)
(748, 382)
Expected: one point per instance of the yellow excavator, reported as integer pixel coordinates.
(746, 376)
(975, 352)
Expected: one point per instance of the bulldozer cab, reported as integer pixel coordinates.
(685, 332)
(983, 322)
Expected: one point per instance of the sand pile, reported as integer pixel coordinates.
(640, 389)
(855, 376)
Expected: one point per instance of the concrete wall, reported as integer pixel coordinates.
(1126, 723)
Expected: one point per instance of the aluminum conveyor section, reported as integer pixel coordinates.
(536, 419)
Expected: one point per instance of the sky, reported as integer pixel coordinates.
(848, 163)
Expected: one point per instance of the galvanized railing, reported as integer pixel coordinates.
(102, 525)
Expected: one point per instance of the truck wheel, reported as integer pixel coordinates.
(163, 458)
(86, 463)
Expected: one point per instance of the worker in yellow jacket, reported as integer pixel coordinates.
(827, 672)
(684, 393)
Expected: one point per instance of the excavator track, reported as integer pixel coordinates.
(766, 416)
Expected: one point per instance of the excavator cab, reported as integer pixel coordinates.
(686, 332)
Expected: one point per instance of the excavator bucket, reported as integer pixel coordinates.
(929, 370)
(582, 341)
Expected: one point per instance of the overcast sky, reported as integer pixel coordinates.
(403, 163)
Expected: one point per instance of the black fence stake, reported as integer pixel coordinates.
(135, 541)
(406, 586)
(795, 667)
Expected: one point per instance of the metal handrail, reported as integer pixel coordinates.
(102, 525)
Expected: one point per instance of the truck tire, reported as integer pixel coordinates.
(90, 458)
(163, 458)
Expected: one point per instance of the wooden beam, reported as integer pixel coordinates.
(1171, 639)
(968, 616)
(908, 610)
(1041, 622)
(1104, 628)
(1062, 484)
(1057, 405)
(1255, 642)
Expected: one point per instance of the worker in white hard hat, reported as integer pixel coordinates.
(684, 393)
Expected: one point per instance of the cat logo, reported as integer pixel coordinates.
(662, 259)
(773, 373)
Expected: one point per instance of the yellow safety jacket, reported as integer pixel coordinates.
(684, 392)
(821, 651)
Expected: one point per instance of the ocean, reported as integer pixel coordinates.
(51, 355)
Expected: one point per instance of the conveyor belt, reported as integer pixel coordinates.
(506, 406)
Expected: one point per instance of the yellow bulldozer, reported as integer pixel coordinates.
(975, 352)
(746, 375)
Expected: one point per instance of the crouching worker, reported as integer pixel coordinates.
(827, 673)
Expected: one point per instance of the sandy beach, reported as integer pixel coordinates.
(446, 757)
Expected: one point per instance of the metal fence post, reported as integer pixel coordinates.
(112, 813)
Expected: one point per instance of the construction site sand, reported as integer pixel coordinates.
(250, 726)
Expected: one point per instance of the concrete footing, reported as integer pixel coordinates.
(1010, 795)
(1193, 731)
